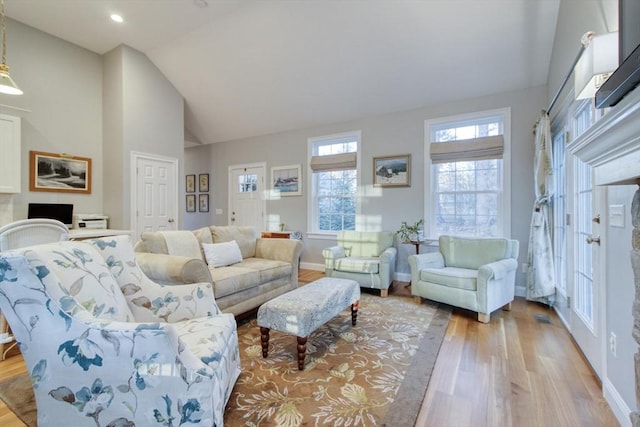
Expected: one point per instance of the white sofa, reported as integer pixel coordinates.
(268, 268)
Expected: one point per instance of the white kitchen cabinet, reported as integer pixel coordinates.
(9, 154)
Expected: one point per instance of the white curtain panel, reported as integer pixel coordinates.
(541, 284)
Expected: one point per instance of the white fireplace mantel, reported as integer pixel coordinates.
(612, 145)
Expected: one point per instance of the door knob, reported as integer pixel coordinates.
(592, 239)
(596, 219)
(170, 220)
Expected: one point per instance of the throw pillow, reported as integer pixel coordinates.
(222, 254)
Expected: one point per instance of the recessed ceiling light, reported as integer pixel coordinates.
(117, 18)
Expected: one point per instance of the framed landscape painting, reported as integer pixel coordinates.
(287, 180)
(59, 172)
(392, 171)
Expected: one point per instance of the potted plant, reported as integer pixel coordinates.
(407, 232)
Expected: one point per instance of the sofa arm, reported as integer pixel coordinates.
(428, 260)
(330, 256)
(388, 256)
(286, 250)
(172, 269)
(497, 270)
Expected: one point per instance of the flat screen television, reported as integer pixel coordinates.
(627, 76)
(60, 211)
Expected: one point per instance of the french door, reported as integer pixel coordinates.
(587, 306)
(246, 195)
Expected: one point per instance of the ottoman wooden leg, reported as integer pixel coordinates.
(264, 339)
(302, 352)
(354, 312)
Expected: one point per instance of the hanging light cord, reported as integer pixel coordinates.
(4, 35)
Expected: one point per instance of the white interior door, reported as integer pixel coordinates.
(587, 306)
(246, 195)
(154, 193)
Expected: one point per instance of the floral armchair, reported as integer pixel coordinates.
(106, 346)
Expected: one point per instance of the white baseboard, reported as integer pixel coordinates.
(521, 291)
(617, 404)
(402, 277)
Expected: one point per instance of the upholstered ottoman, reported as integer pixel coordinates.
(303, 310)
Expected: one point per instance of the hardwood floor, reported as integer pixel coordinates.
(514, 371)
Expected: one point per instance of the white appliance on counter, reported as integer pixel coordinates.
(90, 221)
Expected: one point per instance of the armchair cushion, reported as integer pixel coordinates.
(461, 278)
(364, 243)
(358, 265)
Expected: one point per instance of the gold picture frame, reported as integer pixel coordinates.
(63, 173)
(392, 171)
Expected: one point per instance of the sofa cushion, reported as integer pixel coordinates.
(461, 278)
(232, 279)
(357, 265)
(174, 242)
(222, 254)
(269, 269)
(245, 237)
(82, 276)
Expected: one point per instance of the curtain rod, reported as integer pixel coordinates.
(584, 42)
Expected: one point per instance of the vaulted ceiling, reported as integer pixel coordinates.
(254, 67)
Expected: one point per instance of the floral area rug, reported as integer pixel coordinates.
(374, 373)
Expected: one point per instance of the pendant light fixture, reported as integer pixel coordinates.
(7, 85)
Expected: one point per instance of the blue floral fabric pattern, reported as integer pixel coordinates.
(93, 361)
(302, 310)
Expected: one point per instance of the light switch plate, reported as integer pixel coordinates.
(616, 216)
(218, 211)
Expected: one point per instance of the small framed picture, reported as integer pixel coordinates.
(191, 183)
(191, 202)
(203, 202)
(392, 171)
(203, 183)
(287, 180)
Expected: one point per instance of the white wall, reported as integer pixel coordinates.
(62, 86)
(386, 135)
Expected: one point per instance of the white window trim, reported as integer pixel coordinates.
(505, 224)
(311, 208)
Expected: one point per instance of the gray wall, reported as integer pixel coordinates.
(143, 113)
(390, 134)
(197, 160)
(62, 86)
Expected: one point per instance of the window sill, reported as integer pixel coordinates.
(322, 236)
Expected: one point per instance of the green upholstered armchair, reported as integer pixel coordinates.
(471, 273)
(368, 257)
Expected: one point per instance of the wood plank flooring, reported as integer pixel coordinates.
(514, 371)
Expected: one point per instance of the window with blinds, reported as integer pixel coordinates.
(466, 158)
(334, 182)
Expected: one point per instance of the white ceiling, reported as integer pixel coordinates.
(254, 67)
